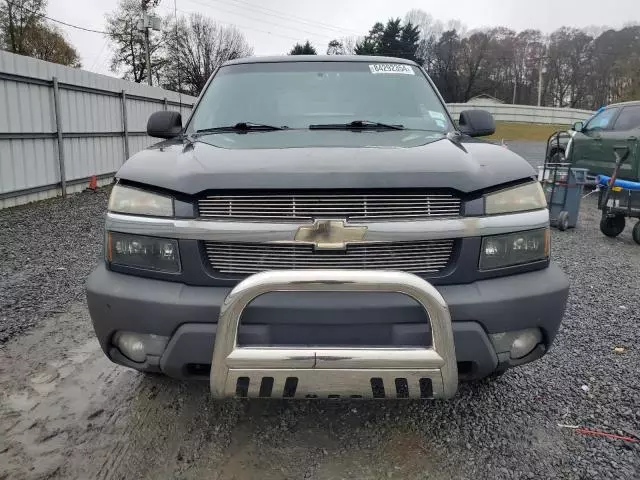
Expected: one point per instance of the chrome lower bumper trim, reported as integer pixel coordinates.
(334, 372)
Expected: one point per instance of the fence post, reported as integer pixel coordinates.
(125, 127)
(164, 102)
(56, 109)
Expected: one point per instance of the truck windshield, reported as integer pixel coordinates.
(328, 94)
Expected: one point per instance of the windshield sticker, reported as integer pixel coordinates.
(436, 115)
(391, 68)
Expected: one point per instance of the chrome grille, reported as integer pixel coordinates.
(419, 257)
(383, 206)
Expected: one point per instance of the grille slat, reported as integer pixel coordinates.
(323, 207)
(324, 195)
(444, 249)
(340, 258)
(278, 205)
(420, 257)
(331, 261)
(350, 206)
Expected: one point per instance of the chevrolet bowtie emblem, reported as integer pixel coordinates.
(330, 234)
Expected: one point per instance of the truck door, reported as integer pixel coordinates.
(625, 132)
(586, 148)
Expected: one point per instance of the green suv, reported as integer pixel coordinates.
(592, 143)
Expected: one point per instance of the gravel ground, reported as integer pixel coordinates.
(68, 413)
(46, 251)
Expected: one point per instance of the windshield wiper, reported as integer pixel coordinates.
(356, 125)
(241, 127)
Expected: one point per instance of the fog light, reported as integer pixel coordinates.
(136, 346)
(525, 343)
(519, 343)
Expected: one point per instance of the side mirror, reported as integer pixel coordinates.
(476, 123)
(577, 127)
(164, 124)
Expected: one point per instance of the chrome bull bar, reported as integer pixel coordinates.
(334, 372)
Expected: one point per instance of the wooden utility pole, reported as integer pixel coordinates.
(148, 55)
(148, 22)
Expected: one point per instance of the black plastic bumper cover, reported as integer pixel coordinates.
(188, 315)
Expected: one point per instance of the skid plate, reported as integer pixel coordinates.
(342, 383)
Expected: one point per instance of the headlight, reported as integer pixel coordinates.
(501, 251)
(529, 196)
(146, 253)
(132, 200)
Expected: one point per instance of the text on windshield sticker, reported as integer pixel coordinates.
(391, 68)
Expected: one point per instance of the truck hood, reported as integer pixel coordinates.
(324, 160)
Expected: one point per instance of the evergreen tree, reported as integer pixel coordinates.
(392, 40)
(409, 42)
(306, 49)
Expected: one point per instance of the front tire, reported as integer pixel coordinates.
(612, 226)
(562, 222)
(635, 233)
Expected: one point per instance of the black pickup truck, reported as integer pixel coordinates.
(320, 227)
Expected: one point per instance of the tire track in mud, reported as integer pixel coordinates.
(57, 388)
(67, 411)
(116, 452)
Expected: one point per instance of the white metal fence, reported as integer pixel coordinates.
(59, 126)
(524, 113)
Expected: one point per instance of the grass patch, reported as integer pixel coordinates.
(525, 131)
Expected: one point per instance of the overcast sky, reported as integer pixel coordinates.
(273, 26)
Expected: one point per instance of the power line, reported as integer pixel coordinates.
(22, 7)
(244, 15)
(55, 20)
(95, 62)
(241, 25)
(114, 34)
(286, 16)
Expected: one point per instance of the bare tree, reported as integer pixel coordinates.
(444, 69)
(343, 45)
(198, 49)
(17, 19)
(569, 65)
(474, 50)
(430, 32)
(127, 43)
(24, 30)
(47, 43)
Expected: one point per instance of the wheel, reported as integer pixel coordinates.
(635, 233)
(557, 157)
(562, 222)
(612, 226)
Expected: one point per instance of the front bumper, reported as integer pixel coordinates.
(189, 316)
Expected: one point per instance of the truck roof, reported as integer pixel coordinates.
(320, 58)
